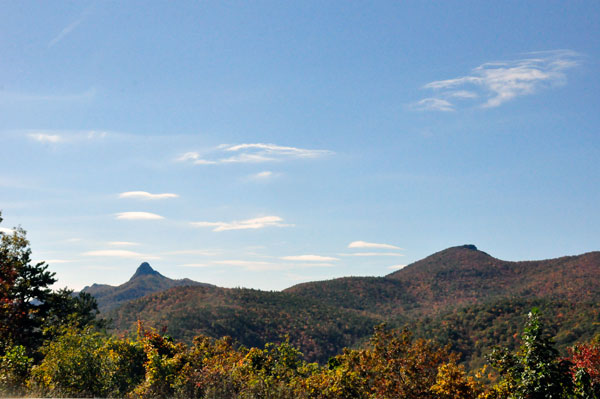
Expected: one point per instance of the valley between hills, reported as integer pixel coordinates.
(461, 296)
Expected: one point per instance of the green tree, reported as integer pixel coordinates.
(14, 371)
(74, 365)
(536, 371)
(30, 311)
(24, 292)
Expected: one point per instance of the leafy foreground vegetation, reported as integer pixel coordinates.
(52, 345)
(82, 362)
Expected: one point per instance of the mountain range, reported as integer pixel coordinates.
(145, 281)
(460, 296)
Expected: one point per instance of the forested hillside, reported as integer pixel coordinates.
(251, 317)
(459, 296)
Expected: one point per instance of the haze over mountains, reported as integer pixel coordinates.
(461, 296)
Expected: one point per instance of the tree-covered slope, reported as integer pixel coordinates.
(460, 296)
(465, 274)
(459, 276)
(251, 317)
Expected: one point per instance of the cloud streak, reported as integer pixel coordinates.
(250, 153)
(120, 253)
(67, 30)
(138, 216)
(123, 243)
(143, 195)
(364, 244)
(495, 83)
(248, 224)
(66, 137)
(309, 258)
(249, 264)
(374, 254)
(46, 138)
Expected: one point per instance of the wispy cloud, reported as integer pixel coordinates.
(396, 267)
(309, 258)
(311, 265)
(256, 223)
(433, 104)
(373, 254)
(138, 216)
(201, 265)
(55, 137)
(250, 264)
(123, 243)
(120, 253)
(364, 244)
(263, 176)
(143, 195)
(250, 153)
(13, 97)
(201, 252)
(494, 83)
(46, 138)
(67, 30)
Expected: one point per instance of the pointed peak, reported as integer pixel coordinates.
(145, 269)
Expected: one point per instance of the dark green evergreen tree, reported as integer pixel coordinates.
(29, 309)
(24, 292)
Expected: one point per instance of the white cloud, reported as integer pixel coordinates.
(195, 265)
(313, 264)
(120, 253)
(123, 243)
(309, 258)
(363, 244)
(46, 138)
(138, 216)
(66, 136)
(249, 264)
(69, 28)
(250, 153)
(433, 104)
(188, 156)
(63, 33)
(6, 230)
(396, 267)
(494, 83)
(256, 223)
(12, 97)
(202, 252)
(266, 174)
(374, 254)
(146, 195)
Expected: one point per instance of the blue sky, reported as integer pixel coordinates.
(263, 144)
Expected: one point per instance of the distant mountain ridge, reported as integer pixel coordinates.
(461, 296)
(461, 275)
(144, 281)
